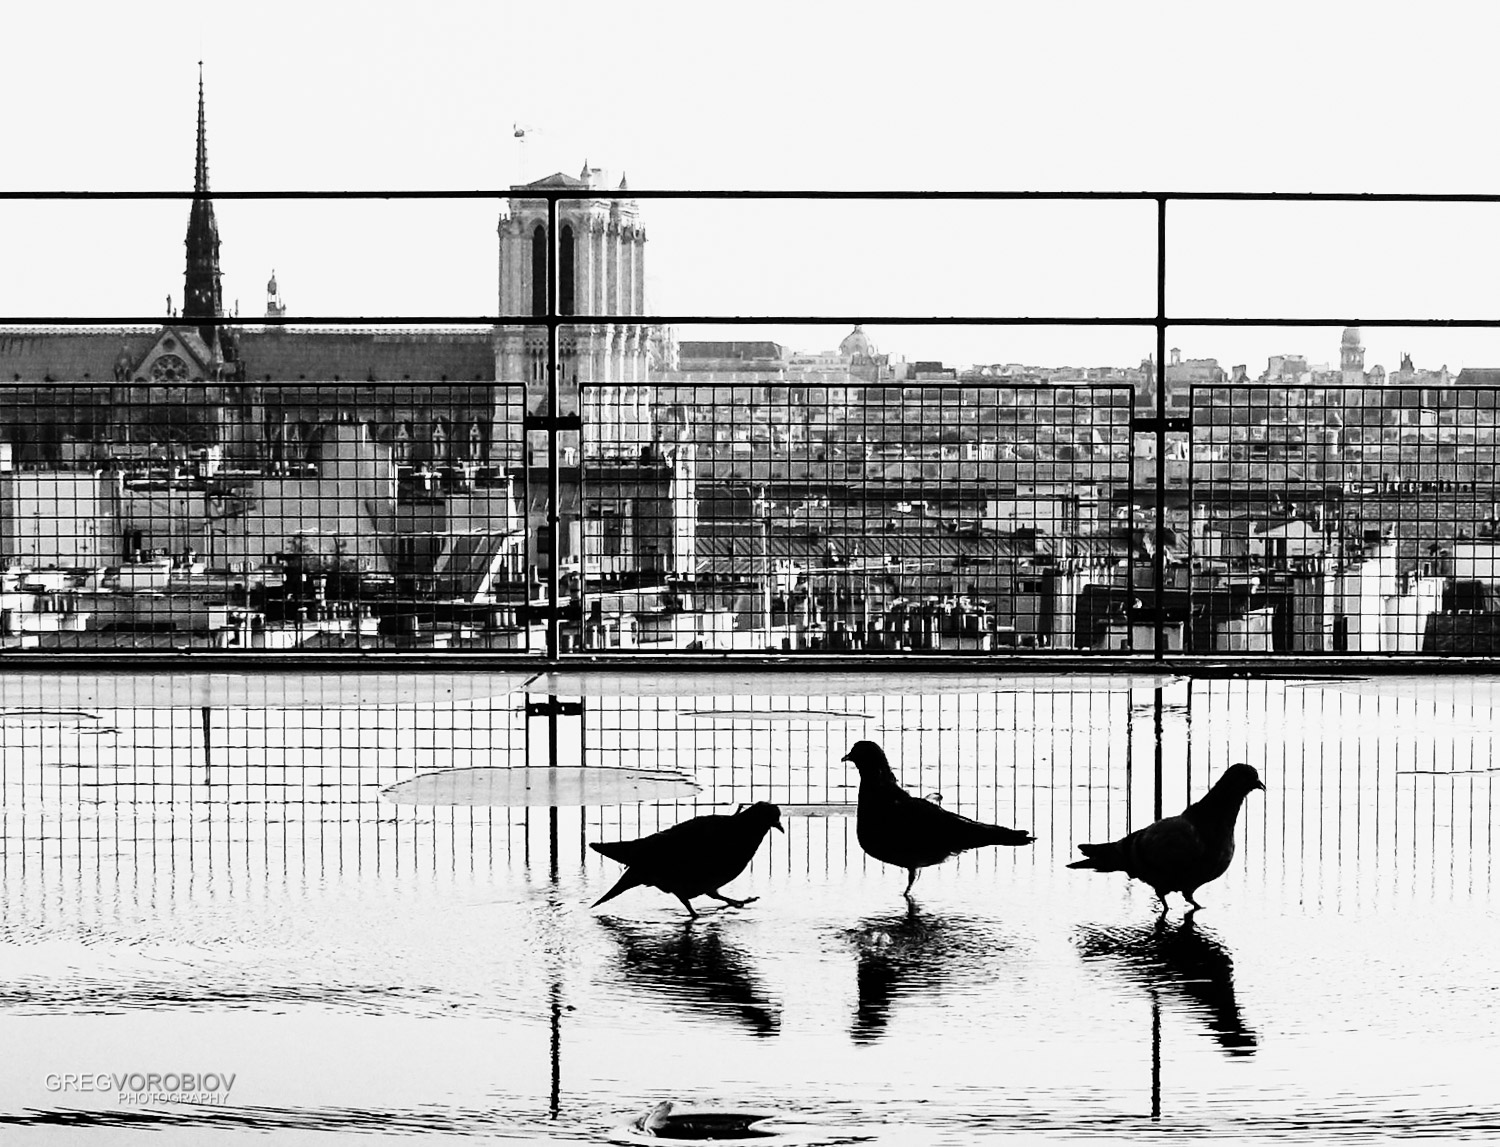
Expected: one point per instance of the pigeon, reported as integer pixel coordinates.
(897, 828)
(693, 858)
(1181, 853)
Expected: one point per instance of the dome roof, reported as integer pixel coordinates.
(1351, 336)
(856, 342)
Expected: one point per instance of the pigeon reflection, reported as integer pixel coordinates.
(1193, 964)
(696, 966)
(898, 954)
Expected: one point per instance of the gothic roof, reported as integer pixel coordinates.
(556, 179)
(41, 355)
(751, 350)
(286, 355)
(1480, 376)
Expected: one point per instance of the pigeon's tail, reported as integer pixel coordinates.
(614, 849)
(1101, 857)
(624, 884)
(959, 834)
(1014, 837)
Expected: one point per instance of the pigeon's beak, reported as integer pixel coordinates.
(776, 824)
(1261, 785)
(847, 757)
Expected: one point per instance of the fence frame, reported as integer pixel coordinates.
(1158, 424)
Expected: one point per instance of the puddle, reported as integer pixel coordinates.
(777, 714)
(542, 787)
(824, 809)
(46, 718)
(668, 1122)
(382, 959)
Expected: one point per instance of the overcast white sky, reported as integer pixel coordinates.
(1082, 96)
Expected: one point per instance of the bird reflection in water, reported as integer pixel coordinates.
(1182, 960)
(900, 954)
(697, 967)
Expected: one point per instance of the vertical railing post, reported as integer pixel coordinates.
(1158, 555)
(554, 470)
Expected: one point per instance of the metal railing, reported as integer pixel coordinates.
(559, 505)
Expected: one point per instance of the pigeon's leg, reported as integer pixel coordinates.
(1188, 896)
(1162, 896)
(910, 880)
(686, 903)
(732, 903)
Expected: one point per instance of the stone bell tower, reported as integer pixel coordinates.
(1352, 358)
(601, 272)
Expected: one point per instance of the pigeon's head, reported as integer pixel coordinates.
(762, 815)
(1240, 780)
(869, 759)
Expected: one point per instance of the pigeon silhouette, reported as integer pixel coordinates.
(897, 828)
(694, 858)
(1181, 853)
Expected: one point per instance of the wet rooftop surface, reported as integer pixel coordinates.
(210, 882)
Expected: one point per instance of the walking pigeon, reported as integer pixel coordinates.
(693, 858)
(897, 828)
(1181, 853)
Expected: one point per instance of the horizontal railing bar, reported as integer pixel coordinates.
(569, 194)
(991, 666)
(430, 385)
(30, 323)
(540, 322)
(967, 383)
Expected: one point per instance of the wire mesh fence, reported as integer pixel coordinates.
(1375, 790)
(958, 516)
(574, 475)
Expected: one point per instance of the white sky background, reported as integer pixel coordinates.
(1018, 96)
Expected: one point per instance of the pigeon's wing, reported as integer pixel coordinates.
(670, 846)
(926, 820)
(1166, 853)
(625, 851)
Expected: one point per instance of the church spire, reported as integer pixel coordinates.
(202, 297)
(200, 171)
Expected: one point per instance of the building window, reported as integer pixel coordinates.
(539, 270)
(565, 271)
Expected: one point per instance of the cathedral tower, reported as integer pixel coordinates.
(1352, 358)
(601, 272)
